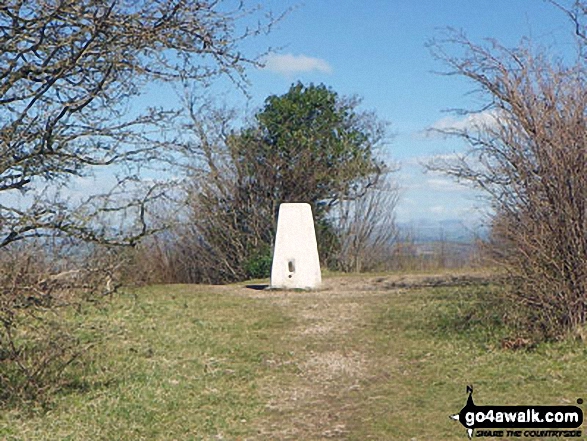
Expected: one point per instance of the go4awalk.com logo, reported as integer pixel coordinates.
(520, 421)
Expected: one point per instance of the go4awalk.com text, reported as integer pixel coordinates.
(529, 433)
(520, 421)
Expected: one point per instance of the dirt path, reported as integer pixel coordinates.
(330, 353)
(329, 366)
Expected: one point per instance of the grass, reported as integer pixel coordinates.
(431, 343)
(354, 362)
(177, 363)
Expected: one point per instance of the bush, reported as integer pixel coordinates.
(40, 284)
(286, 154)
(259, 265)
(527, 152)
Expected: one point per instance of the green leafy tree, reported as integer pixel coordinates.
(308, 145)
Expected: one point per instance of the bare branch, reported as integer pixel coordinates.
(69, 69)
(530, 160)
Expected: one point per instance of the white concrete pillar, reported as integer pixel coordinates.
(295, 256)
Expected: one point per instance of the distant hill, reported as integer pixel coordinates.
(448, 230)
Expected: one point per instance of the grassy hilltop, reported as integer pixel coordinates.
(377, 357)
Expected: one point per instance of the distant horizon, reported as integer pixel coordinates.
(451, 230)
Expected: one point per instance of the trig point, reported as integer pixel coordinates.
(295, 257)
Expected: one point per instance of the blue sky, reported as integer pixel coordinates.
(377, 49)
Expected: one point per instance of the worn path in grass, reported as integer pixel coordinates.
(365, 358)
(337, 364)
(388, 358)
(331, 361)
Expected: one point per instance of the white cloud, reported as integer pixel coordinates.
(473, 121)
(420, 161)
(289, 64)
(438, 209)
(444, 184)
(415, 180)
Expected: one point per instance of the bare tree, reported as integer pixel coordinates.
(366, 228)
(529, 155)
(69, 70)
(70, 73)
